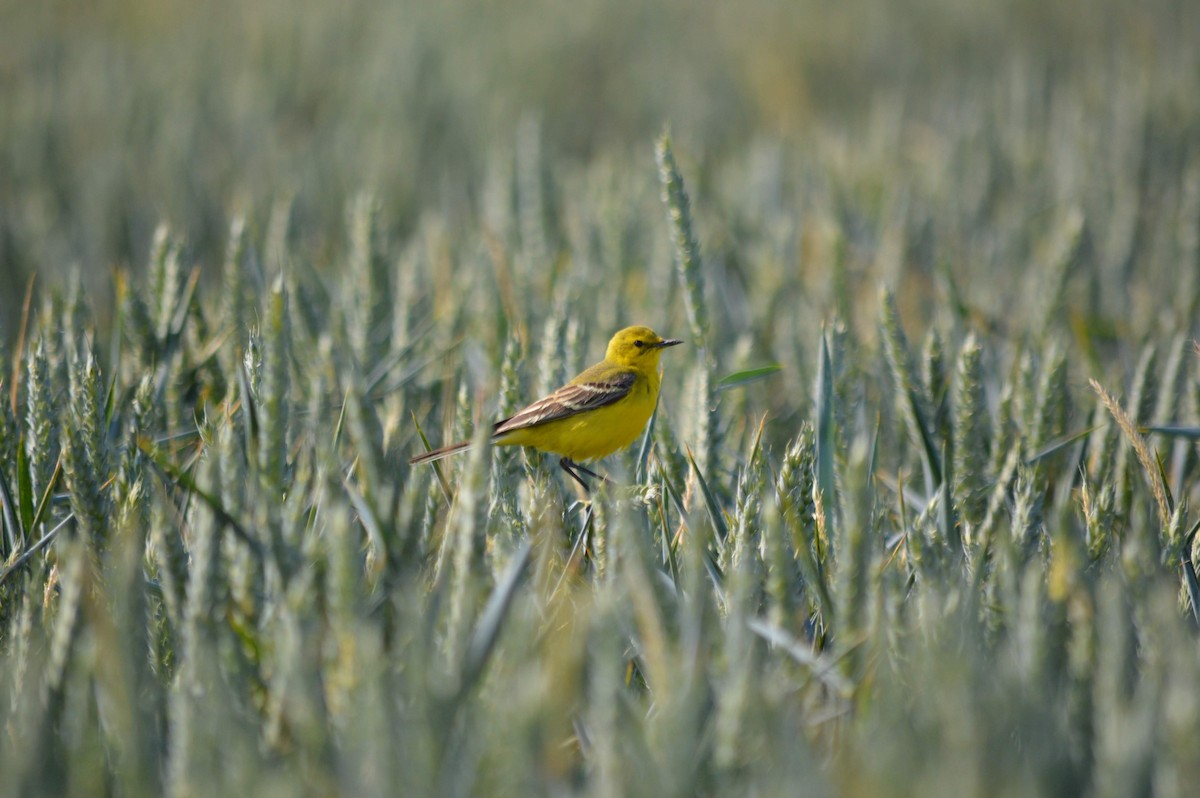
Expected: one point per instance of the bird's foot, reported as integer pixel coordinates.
(576, 472)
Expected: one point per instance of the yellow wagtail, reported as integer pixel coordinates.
(602, 410)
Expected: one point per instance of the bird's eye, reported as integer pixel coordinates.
(639, 344)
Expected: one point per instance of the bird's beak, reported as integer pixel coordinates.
(663, 344)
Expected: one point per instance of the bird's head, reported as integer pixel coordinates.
(638, 347)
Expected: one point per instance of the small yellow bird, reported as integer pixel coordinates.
(602, 410)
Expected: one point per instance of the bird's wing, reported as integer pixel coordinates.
(570, 400)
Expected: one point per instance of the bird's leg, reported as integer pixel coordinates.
(569, 466)
(590, 472)
(575, 469)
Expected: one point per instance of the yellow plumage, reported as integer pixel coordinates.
(602, 410)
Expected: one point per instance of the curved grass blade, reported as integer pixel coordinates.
(710, 564)
(341, 422)
(14, 533)
(668, 551)
(437, 467)
(740, 378)
(822, 669)
(172, 341)
(1166, 484)
(19, 352)
(110, 394)
(1059, 444)
(251, 412)
(710, 501)
(577, 548)
(24, 488)
(46, 540)
(928, 447)
(1189, 572)
(640, 473)
(824, 437)
(487, 630)
(756, 447)
(173, 476)
(873, 462)
(43, 505)
(368, 517)
(1173, 431)
(947, 518)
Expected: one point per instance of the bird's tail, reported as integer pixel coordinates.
(438, 454)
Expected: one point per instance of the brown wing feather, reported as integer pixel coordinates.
(568, 401)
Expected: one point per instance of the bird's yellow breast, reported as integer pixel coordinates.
(595, 433)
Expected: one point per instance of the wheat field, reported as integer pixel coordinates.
(916, 514)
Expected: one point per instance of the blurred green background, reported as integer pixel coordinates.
(118, 115)
(448, 208)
